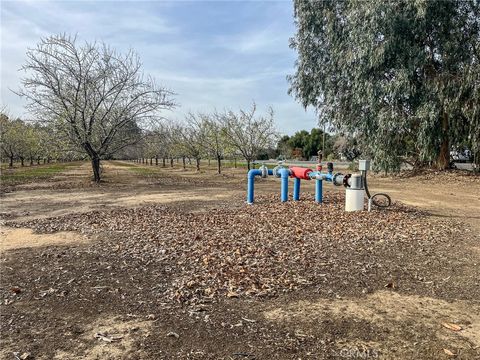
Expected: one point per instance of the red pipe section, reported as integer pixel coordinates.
(300, 172)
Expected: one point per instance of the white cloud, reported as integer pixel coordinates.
(209, 67)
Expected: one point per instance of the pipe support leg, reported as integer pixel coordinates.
(296, 189)
(318, 191)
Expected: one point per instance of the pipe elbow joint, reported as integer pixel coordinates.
(284, 172)
(254, 172)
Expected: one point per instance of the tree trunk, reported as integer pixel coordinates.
(219, 164)
(248, 164)
(21, 160)
(198, 163)
(163, 162)
(38, 160)
(11, 161)
(189, 161)
(151, 161)
(171, 162)
(48, 160)
(208, 161)
(156, 160)
(96, 169)
(476, 161)
(31, 160)
(184, 163)
(443, 159)
(235, 162)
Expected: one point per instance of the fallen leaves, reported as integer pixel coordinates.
(251, 251)
(107, 338)
(232, 294)
(451, 326)
(390, 285)
(23, 356)
(449, 352)
(15, 290)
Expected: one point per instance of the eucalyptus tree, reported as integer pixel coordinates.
(249, 133)
(403, 76)
(98, 98)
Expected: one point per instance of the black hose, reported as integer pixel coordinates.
(370, 197)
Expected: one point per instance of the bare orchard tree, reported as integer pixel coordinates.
(210, 134)
(193, 137)
(215, 137)
(249, 134)
(162, 136)
(96, 97)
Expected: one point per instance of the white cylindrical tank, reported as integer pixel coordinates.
(354, 199)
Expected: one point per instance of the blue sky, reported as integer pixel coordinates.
(213, 54)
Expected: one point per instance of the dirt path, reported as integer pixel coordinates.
(72, 191)
(448, 196)
(445, 196)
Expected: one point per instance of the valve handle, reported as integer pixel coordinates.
(345, 180)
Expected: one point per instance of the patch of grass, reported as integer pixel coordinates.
(20, 175)
(143, 170)
(124, 164)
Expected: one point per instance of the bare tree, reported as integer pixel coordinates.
(249, 134)
(193, 135)
(96, 97)
(210, 135)
(163, 143)
(215, 138)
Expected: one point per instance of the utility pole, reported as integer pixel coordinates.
(323, 142)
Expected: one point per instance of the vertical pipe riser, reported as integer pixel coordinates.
(251, 184)
(284, 185)
(250, 190)
(296, 189)
(318, 191)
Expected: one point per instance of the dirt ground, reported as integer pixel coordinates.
(75, 285)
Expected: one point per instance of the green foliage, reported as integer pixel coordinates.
(22, 140)
(402, 77)
(16, 176)
(308, 143)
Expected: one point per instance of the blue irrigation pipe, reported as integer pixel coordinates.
(250, 184)
(284, 174)
(318, 191)
(296, 189)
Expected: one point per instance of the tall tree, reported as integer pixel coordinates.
(308, 143)
(96, 97)
(401, 74)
